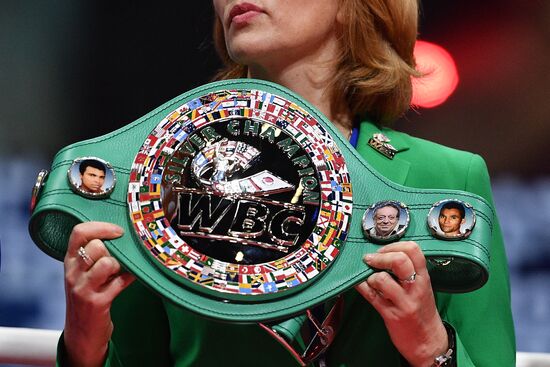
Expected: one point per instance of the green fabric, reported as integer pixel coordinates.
(152, 332)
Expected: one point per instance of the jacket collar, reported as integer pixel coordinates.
(395, 169)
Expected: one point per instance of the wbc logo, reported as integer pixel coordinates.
(243, 191)
(240, 192)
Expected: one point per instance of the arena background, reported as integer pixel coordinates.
(71, 70)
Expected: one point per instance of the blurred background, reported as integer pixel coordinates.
(71, 70)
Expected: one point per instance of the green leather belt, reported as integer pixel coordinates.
(190, 165)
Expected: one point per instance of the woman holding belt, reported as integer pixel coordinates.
(350, 59)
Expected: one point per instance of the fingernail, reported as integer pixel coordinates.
(118, 230)
(369, 258)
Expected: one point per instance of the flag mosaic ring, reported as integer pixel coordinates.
(240, 193)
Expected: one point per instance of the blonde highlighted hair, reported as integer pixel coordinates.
(375, 63)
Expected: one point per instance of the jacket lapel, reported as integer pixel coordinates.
(395, 169)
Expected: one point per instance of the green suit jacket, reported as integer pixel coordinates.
(152, 332)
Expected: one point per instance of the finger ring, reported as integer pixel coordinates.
(85, 257)
(410, 279)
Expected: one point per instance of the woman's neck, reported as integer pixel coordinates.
(309, 79)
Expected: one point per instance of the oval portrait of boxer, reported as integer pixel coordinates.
(386, 221)
(451, 219)
(241, 192)
(92, 177)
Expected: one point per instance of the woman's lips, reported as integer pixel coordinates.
(242, 13)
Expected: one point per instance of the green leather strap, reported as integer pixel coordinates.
(59, 209)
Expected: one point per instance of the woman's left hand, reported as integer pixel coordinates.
(406, 302)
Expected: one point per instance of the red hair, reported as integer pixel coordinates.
(375, 63)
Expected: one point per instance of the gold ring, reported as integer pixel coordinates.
(410, 279)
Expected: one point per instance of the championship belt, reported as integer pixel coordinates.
(241, 202)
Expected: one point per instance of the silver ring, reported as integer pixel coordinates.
(85, 257)
(410, 279)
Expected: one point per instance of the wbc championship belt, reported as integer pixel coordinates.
(241, 202)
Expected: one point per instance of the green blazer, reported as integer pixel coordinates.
(152, 332)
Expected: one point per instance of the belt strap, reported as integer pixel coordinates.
(59, 208)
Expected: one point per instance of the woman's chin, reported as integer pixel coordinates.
(252, 56)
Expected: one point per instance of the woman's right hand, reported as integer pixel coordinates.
(91, 285)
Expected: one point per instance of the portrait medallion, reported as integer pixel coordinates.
(451, 219)
(386, 221)
(92, 177)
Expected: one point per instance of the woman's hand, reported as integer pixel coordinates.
(92, 281)
(406, 302)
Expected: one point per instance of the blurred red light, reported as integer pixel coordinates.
(440, 76)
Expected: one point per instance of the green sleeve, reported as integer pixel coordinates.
(61, 356)
(483, 318)
(141, 333)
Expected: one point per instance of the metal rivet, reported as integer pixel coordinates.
(37, 188)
